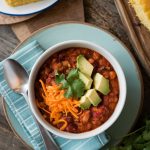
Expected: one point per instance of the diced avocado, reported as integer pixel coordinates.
(84, 103)
(93, 97)
(84, 66)
(101, 84)
(86, 79)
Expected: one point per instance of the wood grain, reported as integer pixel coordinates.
(6, 19)
(65, 10)
(8, 41)
(138, 34)
(102, 13)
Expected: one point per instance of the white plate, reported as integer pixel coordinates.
(27, 9)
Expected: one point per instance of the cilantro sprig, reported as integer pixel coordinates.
(71, 83)
(137, 140)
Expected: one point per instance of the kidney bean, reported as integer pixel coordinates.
(68, 118)
(61, 56)
(71, 128)
(59, 125)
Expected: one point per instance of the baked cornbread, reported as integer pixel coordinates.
(142, 9)
(19, 2)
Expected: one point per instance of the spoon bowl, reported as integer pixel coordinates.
(16, 76)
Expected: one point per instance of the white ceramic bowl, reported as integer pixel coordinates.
(117, 68)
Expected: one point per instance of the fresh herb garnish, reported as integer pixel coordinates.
(73, 74)
(72, 84)
(61, 79)
(69, 92)
(137, 140)
(78, 88)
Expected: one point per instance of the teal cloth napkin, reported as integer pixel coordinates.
(26, 57)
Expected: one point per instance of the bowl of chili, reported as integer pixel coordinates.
(77, 89)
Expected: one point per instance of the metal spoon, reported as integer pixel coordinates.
(17, 79)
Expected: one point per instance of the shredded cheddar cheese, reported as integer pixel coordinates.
(57, 104)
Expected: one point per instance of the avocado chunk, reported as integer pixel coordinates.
(84, 103)
(93, 97)
(84, 66)
(101, 84)
(86, 79)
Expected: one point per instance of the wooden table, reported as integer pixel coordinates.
(102, 13)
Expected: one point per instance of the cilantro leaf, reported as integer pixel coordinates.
(72, 84)
(61, 79)
(146, 135)
(137, 140)
(73, 74)
(147, 147)
(69, 92)
(78, 88)
(65, 84)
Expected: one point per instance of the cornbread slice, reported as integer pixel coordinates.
(19, 2)
(142, 9)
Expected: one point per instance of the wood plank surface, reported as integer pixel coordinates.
(6, 19)
(102, 13)
(138, 33)
(65, 10)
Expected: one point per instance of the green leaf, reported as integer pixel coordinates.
(114, 148)
(65, 84)
(59, 78)
(146, 135)
(78, 88)
(73, 85)
(69, 92)
(128, 147)
(138, 146)
(147, 147)
(148, 125)
(73, 74)
(139, 139)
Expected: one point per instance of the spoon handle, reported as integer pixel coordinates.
(49, 142)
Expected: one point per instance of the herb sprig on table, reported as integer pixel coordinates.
(137, 140)
(71, 83)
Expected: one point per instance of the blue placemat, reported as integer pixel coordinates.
(17, 104)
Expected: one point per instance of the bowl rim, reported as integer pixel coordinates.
(122, 88)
